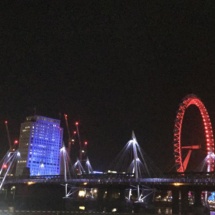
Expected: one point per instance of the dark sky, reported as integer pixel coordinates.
(116, 66)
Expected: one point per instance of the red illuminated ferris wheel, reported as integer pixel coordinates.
(179, 150)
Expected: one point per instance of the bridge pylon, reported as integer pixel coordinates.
(132, 161)
(7, 164)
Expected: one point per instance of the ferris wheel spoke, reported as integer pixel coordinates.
(192, 147)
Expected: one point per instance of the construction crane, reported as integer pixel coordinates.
(69, 134)
(82, 146)
(83, 159)
(8, 135)
(82, 155)
(71, 139)
(79, 142)
(12, 147)
(9, 161)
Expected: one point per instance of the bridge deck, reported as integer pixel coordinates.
(197, 180)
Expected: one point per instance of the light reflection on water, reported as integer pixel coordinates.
(168, 211)
(164, 211)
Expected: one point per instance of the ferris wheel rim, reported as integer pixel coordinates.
(192, 99)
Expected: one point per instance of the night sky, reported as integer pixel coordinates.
(115, 66)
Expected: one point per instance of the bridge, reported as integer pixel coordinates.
(139, 179)
(179, 184)
(205, 180)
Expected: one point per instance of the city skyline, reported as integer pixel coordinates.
(114, 67)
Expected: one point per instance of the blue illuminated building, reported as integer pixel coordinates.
(39, 144)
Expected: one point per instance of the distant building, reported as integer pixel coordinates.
(39, 145)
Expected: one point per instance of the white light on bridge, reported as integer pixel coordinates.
(110, 171)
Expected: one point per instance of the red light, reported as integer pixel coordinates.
(4, 166)
(16, 141)
(5, 122)
(76, 123)
(85, 143)
(74, 132)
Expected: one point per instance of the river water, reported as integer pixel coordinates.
(166, 211)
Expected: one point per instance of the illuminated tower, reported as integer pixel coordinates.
(39, 144)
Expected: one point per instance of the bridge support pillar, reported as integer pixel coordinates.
(100, 200)
(111, 199)
(184, 201)
(122, 201)
(180, 202)
(198, 207)
(175, 201)
(198, 198)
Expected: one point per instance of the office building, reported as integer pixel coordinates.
(39, 145)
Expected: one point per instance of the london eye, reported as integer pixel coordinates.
(182, 153)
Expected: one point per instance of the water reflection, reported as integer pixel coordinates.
(165, 211)
(168, 211)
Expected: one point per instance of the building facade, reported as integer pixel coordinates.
(40, 142)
